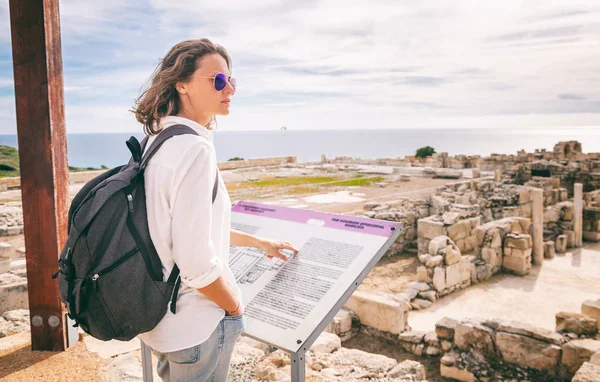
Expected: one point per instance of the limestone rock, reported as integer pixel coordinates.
(518, 265)
(434, 261)
(576, 323)
(422, 275)
(445, 328)
(452, 256)
(576, 352)
(439, 279)
(414, 337)
(432, 351)
(587, 373)
(519, 241)
(418, 303)
(429, 229)
(561, 244)
(373, 363)
(431, 338)
(326, 343)
(429, 295)
(592, 309)
(408, 370)
(436, 245)
(525, 330)
(457, 374)
(549, 250)
(528, 352)
(420, 286)
(453, 275)
(472, 335)
(379, 312)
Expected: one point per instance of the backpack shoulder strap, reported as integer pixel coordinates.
(162, 137)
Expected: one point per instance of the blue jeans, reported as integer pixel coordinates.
(208, 361)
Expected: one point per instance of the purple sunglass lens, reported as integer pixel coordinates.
(220, 81)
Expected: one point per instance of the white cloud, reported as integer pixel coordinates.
(349, 64)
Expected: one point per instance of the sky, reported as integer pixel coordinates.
(337, 64)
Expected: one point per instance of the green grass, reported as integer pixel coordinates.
(300, 185)
(9, 156)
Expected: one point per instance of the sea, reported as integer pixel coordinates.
(109, 149)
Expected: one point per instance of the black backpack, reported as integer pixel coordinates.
(110, 275)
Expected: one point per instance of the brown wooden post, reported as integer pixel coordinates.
(36, 47)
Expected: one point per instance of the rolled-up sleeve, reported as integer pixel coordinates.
(191, 213)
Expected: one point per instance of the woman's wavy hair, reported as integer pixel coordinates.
(161, 99)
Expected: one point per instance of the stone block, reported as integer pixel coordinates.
(587, 373)
(496, 239)
(459, 230)
(326, 343)
(466, 270)
(480, 235)
(518, 241)
(575, 353)
(429, 295)
(591, 236)
(422, 275)
(516, 228)
(522, 253)
(437, 244)
(444, 329)
(420, 286)
(549, 249)
(419, 303)
(518, 265)
(561, 244)
(379, 312)
(454, 373)
(490, 256)
(471, 335)
(430, 229)
(526, 330)
(453, 275)
(470, 243)
(452, 256)
(591, 308)
(461, 245)
(413, 337)
(580, 324)
(551, 215)
(341, 324)
(434, 261)
(439, 279)
(529, 352)
(408, 370)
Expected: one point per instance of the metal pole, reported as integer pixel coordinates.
(146, 362)
(298, 366)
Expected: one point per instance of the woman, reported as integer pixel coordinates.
(191, 85)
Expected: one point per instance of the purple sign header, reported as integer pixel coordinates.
(337, 221)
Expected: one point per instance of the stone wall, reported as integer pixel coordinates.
(500, 350)
(402, 210)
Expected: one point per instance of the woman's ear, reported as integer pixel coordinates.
(180, 87)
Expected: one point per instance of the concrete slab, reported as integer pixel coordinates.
(560, 284)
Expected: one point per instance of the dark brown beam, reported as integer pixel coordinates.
(36, 47)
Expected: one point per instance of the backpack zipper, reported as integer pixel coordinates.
(130, 202)
(120, 261)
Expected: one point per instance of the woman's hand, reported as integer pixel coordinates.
(272, 248)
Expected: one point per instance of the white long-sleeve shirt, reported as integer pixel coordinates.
(188, 229)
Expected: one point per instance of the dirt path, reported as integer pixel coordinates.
(18, 363)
